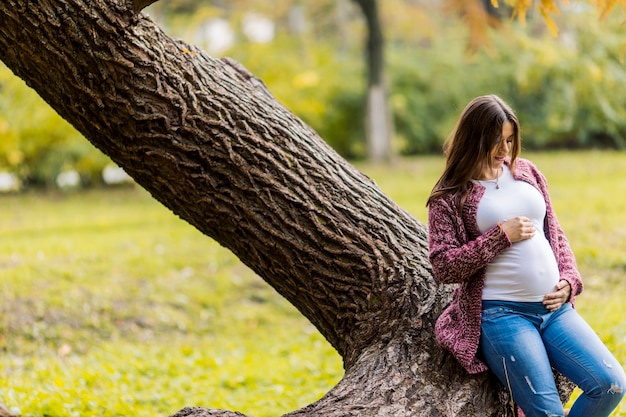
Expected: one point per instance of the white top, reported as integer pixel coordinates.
(527, 270)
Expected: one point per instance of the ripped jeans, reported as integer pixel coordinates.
(520, 342)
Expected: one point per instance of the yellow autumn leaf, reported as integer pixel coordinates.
(520, 9)
(552, 26)
(549, 6)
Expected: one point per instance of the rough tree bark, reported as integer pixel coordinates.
(208, 140)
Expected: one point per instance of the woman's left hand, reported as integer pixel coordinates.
(554, 300)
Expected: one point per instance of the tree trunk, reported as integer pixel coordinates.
(378, 123)
(208, 140)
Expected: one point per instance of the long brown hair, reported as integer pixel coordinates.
(467, 149)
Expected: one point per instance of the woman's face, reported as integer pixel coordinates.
(502, 149)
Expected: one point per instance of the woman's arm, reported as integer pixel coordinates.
(453, 258)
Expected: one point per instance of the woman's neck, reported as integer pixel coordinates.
(491, 173)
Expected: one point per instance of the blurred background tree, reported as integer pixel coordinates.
(566, 89)
(378, 118)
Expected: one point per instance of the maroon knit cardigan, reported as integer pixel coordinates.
(459, 253)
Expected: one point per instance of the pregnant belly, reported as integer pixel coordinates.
(524, 272)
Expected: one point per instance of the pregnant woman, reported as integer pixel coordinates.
(493, 230)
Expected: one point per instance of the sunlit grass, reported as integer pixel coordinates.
(260, 374)
(112, 306)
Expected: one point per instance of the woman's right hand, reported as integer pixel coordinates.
(518, 228)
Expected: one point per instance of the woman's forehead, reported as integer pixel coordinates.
(508, 129)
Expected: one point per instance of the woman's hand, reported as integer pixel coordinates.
(554, 300)
(518, 228)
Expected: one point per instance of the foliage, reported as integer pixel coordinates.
(575, 101)
(563, 89)
(566, 90)
(112, 306)
(36, 143)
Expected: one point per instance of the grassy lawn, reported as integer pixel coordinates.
(112, 306)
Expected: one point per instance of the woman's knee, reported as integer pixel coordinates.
(608, 396)
(610, 384)
(615, 388)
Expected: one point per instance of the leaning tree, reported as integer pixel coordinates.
(207, 139)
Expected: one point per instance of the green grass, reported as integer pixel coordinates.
(112, 306)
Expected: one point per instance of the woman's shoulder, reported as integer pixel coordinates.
(442, 202)
(525, 164)
(527, 170)
(525, 167)
(449, 203)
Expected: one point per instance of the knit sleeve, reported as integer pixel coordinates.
(453, 257)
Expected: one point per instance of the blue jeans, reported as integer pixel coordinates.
(521, 342)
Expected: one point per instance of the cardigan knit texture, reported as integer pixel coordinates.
(459, 254)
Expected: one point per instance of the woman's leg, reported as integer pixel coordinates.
(579, 354)
(513, 349)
